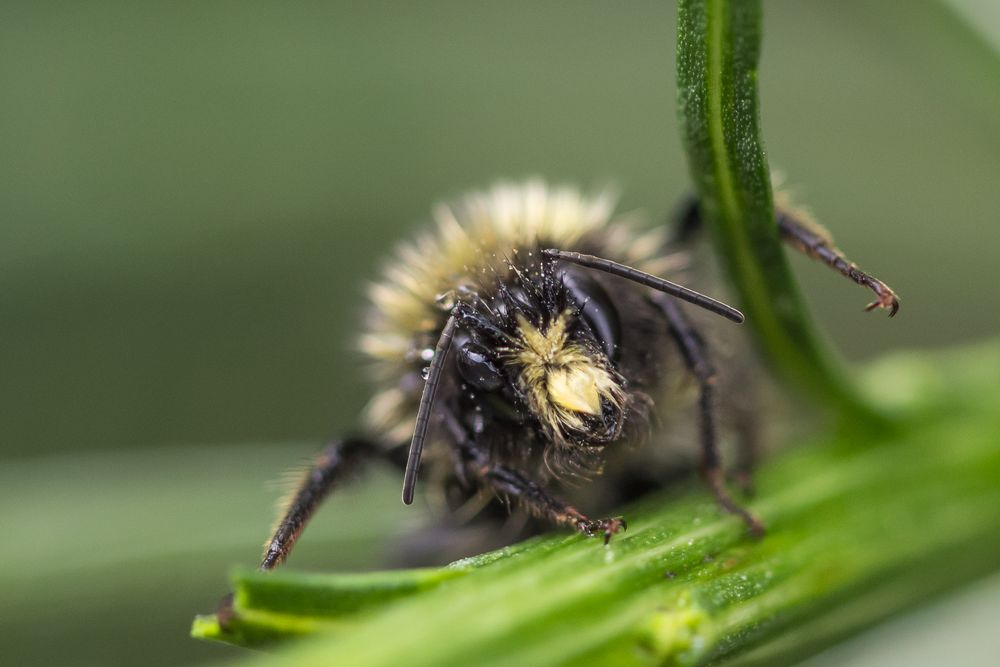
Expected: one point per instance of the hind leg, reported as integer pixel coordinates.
(805, 235)
(811, 239)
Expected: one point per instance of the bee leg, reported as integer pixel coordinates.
(811, 239)
(692, 349)
(803, 234)
(533, 497)
(540, 503)
(337, 460)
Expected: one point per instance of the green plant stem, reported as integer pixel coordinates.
(852, 537)
(717, 55)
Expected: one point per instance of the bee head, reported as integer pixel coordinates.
(549, 345)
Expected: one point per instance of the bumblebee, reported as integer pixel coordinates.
(524, 341)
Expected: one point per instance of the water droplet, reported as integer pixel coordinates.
(425, 371)
(426, 354)
(446, 300)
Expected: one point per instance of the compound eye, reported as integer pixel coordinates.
(477, 367)
(596, 309)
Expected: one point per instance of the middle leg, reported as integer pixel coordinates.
(693, 351)
(334, 463)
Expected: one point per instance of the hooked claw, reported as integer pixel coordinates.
(886, 298)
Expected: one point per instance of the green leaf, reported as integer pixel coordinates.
(718, 50)
(855, 534)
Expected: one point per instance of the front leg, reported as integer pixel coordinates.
(514, 484)
(540, 503)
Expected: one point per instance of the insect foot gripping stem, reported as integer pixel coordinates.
(606, 527)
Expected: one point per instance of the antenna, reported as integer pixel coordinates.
(659, 284)
(424, 410)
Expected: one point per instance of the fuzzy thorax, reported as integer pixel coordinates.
(566, 384)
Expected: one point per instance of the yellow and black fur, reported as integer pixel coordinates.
(520, 310)
(485, 248)
(525, 338)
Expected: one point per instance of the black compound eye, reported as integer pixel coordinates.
(596, 309)
(478, 368)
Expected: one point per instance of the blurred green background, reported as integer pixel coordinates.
(192, 196)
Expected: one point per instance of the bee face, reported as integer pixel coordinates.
(545, 342)
(570, 385)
